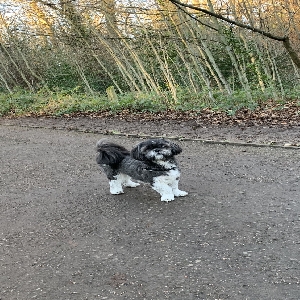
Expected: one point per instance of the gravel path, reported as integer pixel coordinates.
(63, 236)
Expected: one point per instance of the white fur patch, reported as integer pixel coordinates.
(130, 183)
(167, 185)
(158, 154)
(168, 165)
(116, 186)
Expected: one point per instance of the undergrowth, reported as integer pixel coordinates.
(61, 103)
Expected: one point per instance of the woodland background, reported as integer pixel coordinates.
(62, 56)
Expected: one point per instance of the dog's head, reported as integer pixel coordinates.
(155, 150)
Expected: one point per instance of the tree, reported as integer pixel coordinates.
(285, 39)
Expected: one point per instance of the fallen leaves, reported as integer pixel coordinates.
(269, 113)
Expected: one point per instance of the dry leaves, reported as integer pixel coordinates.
(268, 114)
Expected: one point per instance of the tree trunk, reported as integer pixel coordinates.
(291, 51)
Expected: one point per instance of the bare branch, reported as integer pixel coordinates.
(284, 39)
(233, 22)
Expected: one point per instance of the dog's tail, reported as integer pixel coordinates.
(110, 153)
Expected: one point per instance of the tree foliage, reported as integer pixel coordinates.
(150, 46)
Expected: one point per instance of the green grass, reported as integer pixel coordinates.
(65, 103)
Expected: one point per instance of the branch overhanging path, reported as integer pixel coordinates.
(284, 39)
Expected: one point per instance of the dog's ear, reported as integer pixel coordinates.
(176, 149)
(136, 153)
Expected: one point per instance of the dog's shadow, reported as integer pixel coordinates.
(143, 194)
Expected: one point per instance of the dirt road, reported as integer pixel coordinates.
(63, 236)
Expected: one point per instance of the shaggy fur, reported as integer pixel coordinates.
(151, 161)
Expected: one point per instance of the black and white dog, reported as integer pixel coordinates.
(151, 161)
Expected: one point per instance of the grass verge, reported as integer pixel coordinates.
(22, 102)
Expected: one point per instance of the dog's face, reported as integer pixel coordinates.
(155, 150)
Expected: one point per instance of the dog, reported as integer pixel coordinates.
(151, 161)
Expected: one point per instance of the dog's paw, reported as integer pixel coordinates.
(167, 198)
(131, 184)
(180, 193)
(117, 192)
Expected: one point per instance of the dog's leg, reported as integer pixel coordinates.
(176, 191)
(127, 182)
(160, 184)
(116, 185)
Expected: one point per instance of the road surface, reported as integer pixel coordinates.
(63, 236)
